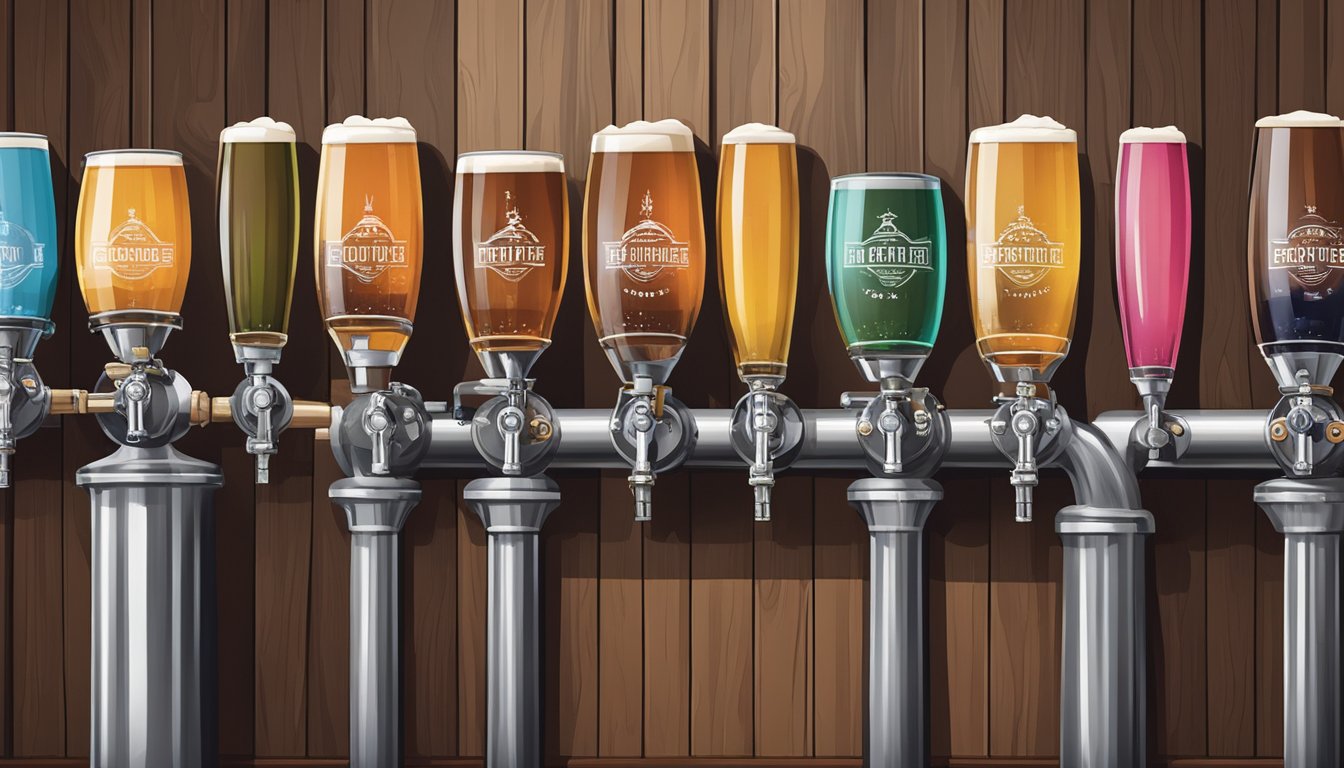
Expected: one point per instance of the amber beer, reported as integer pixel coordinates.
(511, 247)
(1295, 243)
(758, 247)
(643, 244)
(1023, 245)
(368, 242)
(133, 231)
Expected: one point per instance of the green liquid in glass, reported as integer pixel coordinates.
(258, 237)
(886, 256)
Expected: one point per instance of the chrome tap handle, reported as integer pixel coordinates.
(262, 445)
(510, 425)
(892, 426)
(135, 393)
(641, 479)
(1025, 425)
(6, 404)
(1300, 421)
(762, 474)
(378, 424)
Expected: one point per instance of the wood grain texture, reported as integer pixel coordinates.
(1178, 719)
(896, 59)
(1268, 638)
(1230, 577)
(958, 565)
(667, 619)
(1024, 622)
(840, 563)
(620, 614)
(38, 703)
(570, 578)
(489, 74)
(744, 64)
(429, 619)
(328, 655)
(783, 611)
(472, 589)
(1302, 44)
(721, 616)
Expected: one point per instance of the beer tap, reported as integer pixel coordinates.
(767, 434)
(654, 433)
(1027, 428)
(24, 401)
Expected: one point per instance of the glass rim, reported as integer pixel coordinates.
(23, 135)
(910, 180)
(133, 151)
(499, 152)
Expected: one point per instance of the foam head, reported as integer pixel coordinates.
(357, 129)
(1027, 128)
(261, 130)
(758, 133)
(1169, 134)
(506, 161)
(1299, 119)
(641, 136)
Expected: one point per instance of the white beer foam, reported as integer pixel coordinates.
(12, 140)
(1027, 128)
(357, 129)
(1300, 119)
(259, 130)
(758, 133)
(642, 136)
(1168, 134)
(121, 158)
(504, 161)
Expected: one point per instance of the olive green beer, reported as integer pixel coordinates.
(258, 198)
(886, 257)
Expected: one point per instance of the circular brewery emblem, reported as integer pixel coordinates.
(132, 251)
(1312, 252)
(514, 250)
(20, 253)
(1022, 253)
(889, 256)
(369, 249)
(647, 248)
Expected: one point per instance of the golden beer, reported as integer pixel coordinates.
(511, 247)
(758, 247)
(133, 231)
(1023, 245)
(644, 245)
(368, 242)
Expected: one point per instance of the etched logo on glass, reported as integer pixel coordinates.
(1312, 251)
(647, 248)
(1022, 253)
(132, 251)
(513, 251)
(889, 254)
(369, 249)
(20, 253)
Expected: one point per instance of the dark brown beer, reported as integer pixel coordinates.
(1295, 244)
(644, 244)
(511, 247)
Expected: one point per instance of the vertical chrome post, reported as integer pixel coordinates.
(1102, 696)
(895, 510)
(153, 673)
(1310, 515)
(376, 508)
(513, 510)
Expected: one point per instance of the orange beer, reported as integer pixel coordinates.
(1023, 245)
(368, 242)
(133, 231)
(643, 245)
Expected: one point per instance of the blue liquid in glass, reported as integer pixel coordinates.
(28, 255)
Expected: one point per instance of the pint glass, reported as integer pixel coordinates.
(886, 252)
(511, 248)
(258, 208)
(758, 248)
(1152, 246)
(368, 242)
(28, 255)
(133, 232)
(1295, 248)
(1023, 245)
(644, 245)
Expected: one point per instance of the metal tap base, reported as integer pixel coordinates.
(153, 670)
(1310, 515)
(513, 510)
(1102, 684)
(895, 510)
(376, 508)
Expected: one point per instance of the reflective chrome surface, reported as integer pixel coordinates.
(513, 511)
(153, 692)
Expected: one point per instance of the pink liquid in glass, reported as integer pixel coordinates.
(1152, 249)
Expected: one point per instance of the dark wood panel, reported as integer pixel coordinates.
(667, 618)
(896, 56)
(429, 622)
(620, 614)
(1230, 577)
(570, 577)
(1268, 638)
(471, 597)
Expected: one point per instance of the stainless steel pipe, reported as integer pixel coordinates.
(513, 510)
(1310, 515)
(376, 508)
(153, 665)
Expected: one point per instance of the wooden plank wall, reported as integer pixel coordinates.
(700, 635)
